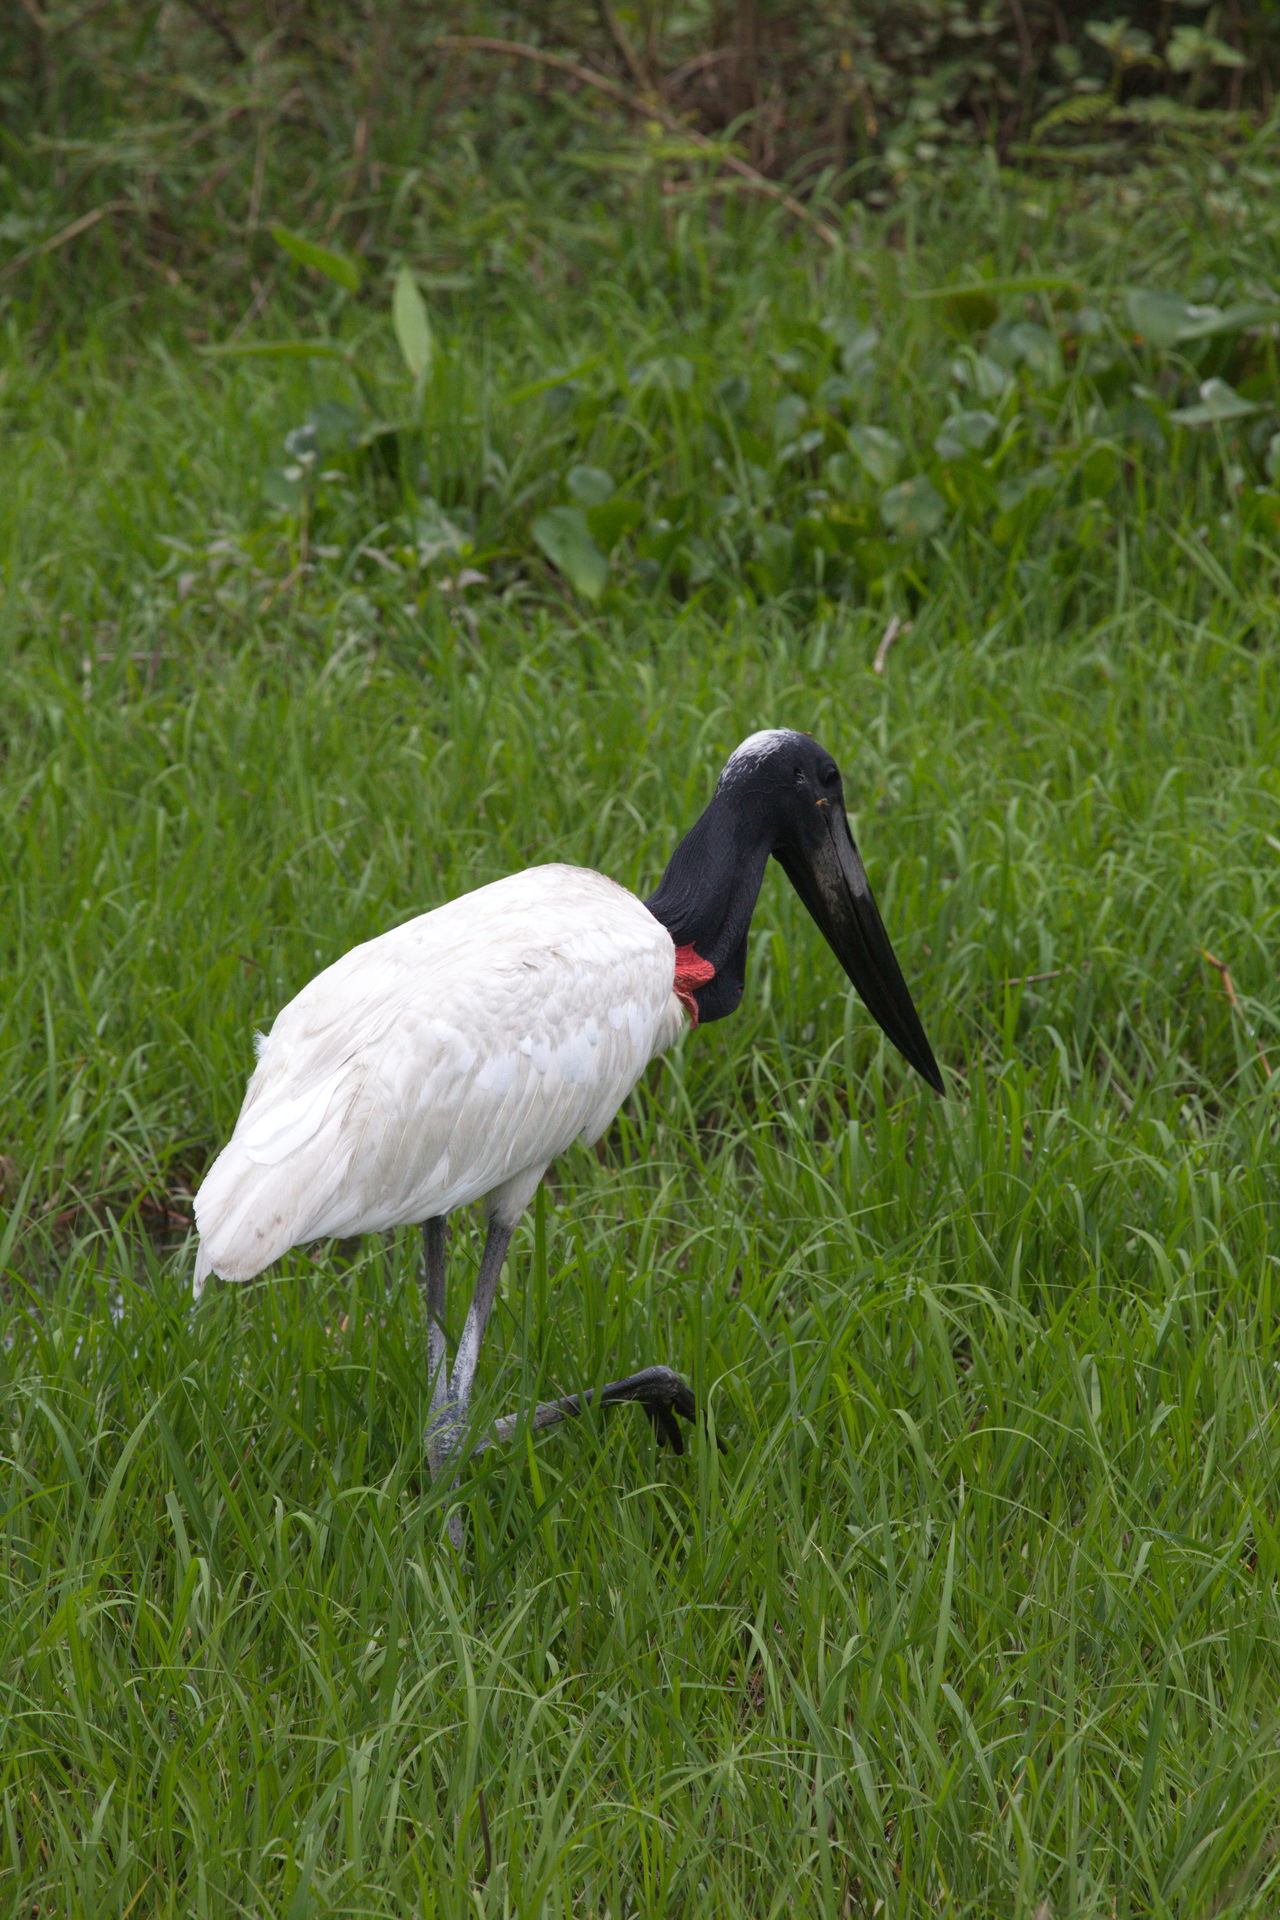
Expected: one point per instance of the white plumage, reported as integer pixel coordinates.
(451, 1058)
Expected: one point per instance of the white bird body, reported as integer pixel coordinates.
(449, 1059)
(453, 1058)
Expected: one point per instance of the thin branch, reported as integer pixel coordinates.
(1233, 998)
(631, 59)
(646, 110)
(887, 638)
(483, 43)
(60, 239)
(215, 22)
(52, 27)
(262, 292)
(1054, 973)
(709, 57)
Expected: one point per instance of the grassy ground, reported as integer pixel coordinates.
(979, 1611)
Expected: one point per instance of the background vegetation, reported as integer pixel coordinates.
(418, 464)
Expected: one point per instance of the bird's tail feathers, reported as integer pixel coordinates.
(248, 1215)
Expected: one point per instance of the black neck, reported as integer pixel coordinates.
(708, 894)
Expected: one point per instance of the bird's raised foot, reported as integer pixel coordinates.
(665, 1397)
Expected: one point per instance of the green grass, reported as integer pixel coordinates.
(980, 1607)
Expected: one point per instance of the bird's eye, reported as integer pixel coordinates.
(830, 777)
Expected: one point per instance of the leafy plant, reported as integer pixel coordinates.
(816, 495)
(337, 444)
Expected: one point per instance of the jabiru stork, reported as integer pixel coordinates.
(453, 1058)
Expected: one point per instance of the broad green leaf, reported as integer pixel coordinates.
(336, 427)
(985, 377)
(1164, 319)
(1086, 323)
(1210, 321)
(839, 473)
(1137, 419)
(877, 451)
(435, 534)
(589, 485)
(1170, 320)
(858, 348)
(1217, 401)
(835, 392)
(285, 487)
(856, 340)
(1023, 343)
(561, 399)
(1037, 348)
(338, 267)
(914, 508)
(565, 538)
(967, 432)
(1129, 45)
(788, 412)
(1191, 50)
(803, 443)
(665, 369)
(413, 328)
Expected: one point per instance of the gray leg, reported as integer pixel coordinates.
(660, 1391)
(433, 1282)
(450, 1398)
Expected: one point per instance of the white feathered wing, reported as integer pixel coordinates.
(450, 1058)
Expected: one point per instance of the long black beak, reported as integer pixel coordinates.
(828, 874)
